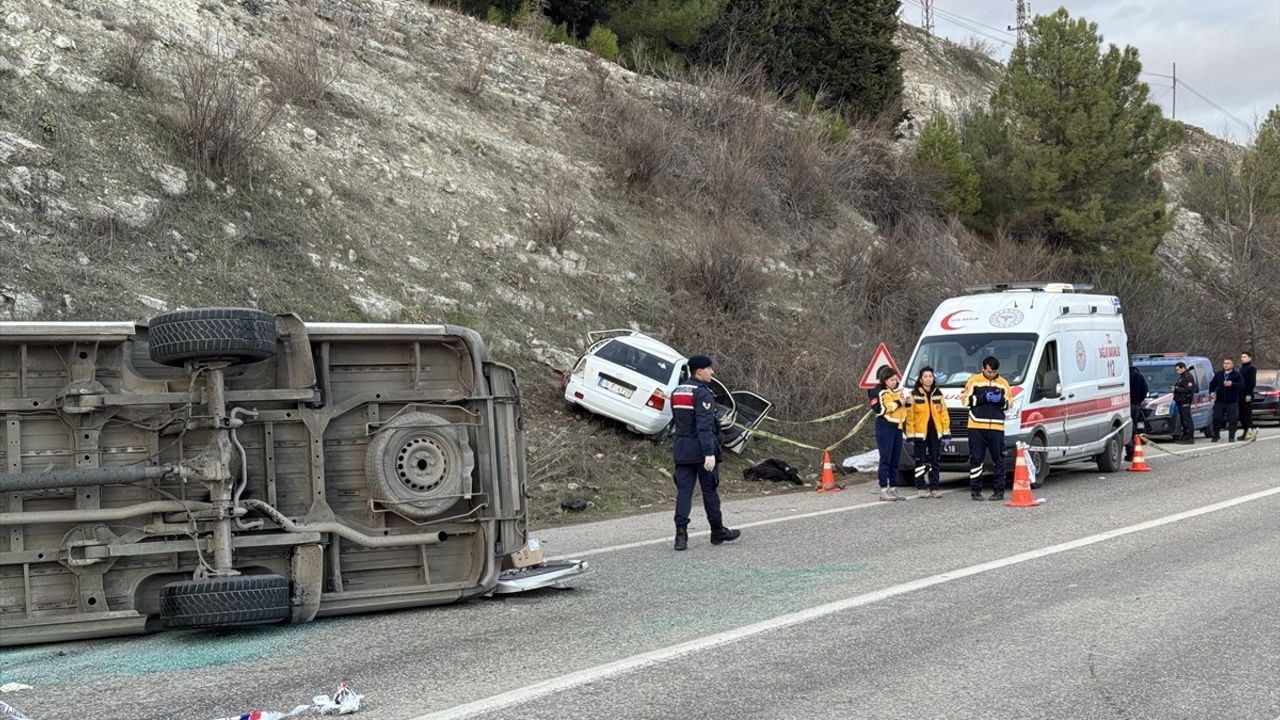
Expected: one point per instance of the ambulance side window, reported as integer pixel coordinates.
(1047, 377)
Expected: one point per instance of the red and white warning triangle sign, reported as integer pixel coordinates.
(882, 358)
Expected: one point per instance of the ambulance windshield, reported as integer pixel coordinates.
(956, 358)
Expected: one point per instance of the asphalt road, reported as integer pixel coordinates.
(1123, 596)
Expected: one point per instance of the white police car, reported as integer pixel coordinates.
(629, 376)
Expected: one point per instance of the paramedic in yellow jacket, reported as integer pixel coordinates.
(928, 426)
(987, 396)
(891, 415)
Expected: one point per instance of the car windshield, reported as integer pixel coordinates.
(956, 358)
(633, 358)
(1160, 378)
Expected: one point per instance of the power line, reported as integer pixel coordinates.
(1176, 83)
(966, 23)
(949, 14)
(1216, 106)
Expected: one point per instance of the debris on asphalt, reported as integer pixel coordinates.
(343, 702)
(13, 687)
(555, 574)
(10, 712)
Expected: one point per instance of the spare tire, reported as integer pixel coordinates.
(234, 334)
(225, 601)
(420, 464)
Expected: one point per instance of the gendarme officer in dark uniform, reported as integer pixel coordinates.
(696, 447)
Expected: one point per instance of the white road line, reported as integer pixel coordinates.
(701, 533)
(661, 655)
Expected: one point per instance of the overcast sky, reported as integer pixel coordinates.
(1227, 50)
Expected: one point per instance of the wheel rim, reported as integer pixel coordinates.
(421, 464)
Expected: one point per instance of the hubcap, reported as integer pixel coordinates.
(421, 464)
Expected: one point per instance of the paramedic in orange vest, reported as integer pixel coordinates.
(928, 426)
(891, 415)
(987, 396)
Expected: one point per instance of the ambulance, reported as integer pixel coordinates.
(1063, 351)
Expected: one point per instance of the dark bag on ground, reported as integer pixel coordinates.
(772, 469)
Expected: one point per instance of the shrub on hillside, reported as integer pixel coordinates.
(555, 216)
(127, 60)
(716, 272)
(603, 42)
(220, 120)
(307, 57)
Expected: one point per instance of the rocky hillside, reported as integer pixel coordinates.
(454, 171)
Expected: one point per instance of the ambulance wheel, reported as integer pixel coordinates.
(1040, 460)
(1109, 460)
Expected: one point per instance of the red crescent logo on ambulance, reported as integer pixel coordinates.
(948, 321)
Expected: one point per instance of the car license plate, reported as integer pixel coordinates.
(615, 388)
(950, 448)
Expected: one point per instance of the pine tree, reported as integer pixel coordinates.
(676, 25)
(1084, 138)
(843, 49)
(939, 151)
(1261, 165)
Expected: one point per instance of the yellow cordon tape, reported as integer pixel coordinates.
(826, 418)
(797, 443)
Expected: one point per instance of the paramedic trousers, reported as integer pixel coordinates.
(889, 442)
(928, 456)
(982, 443)
(686, 477)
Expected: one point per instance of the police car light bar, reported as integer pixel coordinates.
(1034, 286)
(1156, 356)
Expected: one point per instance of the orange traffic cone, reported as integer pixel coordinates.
(828, 484)
(1139, 463)
(1022, 496)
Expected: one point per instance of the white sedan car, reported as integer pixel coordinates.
(629, 376)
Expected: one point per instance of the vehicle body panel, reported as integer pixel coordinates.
(1044, 339)
(89, 561)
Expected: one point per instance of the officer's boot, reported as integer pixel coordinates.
(722, 534)
(682, 537)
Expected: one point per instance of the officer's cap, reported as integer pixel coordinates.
(697, 362)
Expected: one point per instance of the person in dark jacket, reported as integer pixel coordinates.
(1249, 383)
(987, 395)
(1137, 394)
(1225, 387)
(696, 451)
(1184, 392)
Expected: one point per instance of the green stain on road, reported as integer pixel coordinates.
(165, 652)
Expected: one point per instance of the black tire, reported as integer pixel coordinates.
(1040, 460)
(1207, 430)
(663, 436)
(1109, 460)
(235, 334)
(225, 601)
